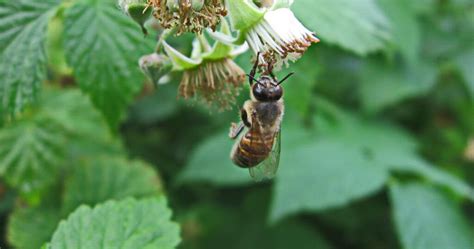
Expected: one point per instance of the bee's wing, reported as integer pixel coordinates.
(268, 168)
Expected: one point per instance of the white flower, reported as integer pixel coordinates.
(280, 37)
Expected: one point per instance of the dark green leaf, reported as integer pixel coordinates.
(22, 51)
(130, 223)
(103, 46)
(425, 218)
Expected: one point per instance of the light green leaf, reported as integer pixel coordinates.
(405, 29)
(30, 228)
(109, 178)
(384, 85)
(211, 163)
(425, 218)
(126, 224)
(103, 46)
(357, 26)
(465, 62)
(23, 26)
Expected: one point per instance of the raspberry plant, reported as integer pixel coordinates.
(96, 148)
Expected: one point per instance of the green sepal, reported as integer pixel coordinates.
(220, 50)
(278, 4)
(180, 61)
(243, 14)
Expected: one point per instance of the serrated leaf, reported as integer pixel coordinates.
(425, 218)
(23, 26)
(211, 163)
(64, 123)
(357, 26)
(130, 223)
(109, 178)
(30, 228)
(103, 46)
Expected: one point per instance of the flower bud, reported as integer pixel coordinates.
(138, 10)
(155, 67)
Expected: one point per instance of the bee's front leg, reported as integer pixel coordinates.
(236, 129)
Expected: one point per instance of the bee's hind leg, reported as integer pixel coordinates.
(236, 129)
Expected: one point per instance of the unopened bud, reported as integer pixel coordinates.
(138, 10)
(155, 67)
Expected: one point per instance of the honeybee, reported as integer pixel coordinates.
(258, 148)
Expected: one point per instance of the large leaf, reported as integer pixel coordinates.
(358, 26)
(64, 123)
(348, 159)
(103, 46)
(23, 27)
(30, 228)
(324, 173)
(109, 178)
(425, 218)
(125, 224)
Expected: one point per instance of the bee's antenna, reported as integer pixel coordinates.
(286, 77)
(251, 77)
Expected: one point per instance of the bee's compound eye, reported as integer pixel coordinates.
(277, 92)
(259, 92)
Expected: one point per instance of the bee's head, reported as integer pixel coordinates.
(267, 89)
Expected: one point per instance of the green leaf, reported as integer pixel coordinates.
(384, 85)
(358, 26)
(425, 218)
(64, 123)
(211, 163)
(125, 224)
(109, 178)
(323, 173)
(30, 228)
(465, 62)
(23, 26)
(405, 29)
(103, 47)
(31, 153)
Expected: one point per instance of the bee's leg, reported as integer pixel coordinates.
(236, 129)
(254, 69)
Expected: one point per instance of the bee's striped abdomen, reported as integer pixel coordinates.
(252, 149)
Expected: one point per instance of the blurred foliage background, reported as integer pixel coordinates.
(377, 140)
